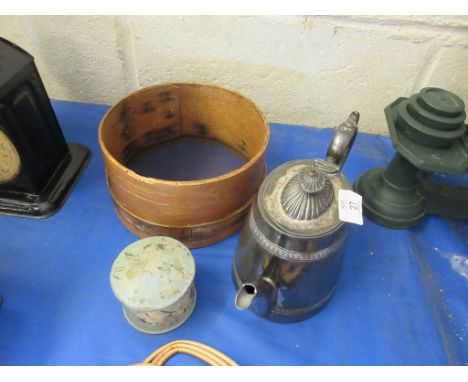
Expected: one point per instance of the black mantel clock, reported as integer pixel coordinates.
(38, 168)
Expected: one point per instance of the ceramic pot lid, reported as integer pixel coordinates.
(152, 273)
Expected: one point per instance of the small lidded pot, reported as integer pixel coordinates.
(153, 278)
(290, 251)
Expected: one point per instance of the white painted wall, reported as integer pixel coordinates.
(299, 69)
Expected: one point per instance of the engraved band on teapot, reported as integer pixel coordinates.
(287, 254)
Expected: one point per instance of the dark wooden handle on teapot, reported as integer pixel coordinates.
(343, 140)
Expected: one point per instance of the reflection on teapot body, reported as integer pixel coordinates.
(290, 251)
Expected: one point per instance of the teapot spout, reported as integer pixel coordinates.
(245, 295)
(260, 296)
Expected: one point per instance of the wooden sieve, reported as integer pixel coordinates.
(196, 212)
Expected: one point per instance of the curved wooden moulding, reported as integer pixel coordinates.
(198, 212)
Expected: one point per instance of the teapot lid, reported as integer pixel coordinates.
(300, 198)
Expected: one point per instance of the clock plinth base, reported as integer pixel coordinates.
(54, 194)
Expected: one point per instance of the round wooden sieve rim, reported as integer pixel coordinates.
(251, 162)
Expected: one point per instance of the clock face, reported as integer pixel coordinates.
(10, 162)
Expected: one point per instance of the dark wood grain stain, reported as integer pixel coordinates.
(201, 128)
(124, 118)
(147, 107)
(165, 96)
(156, 136)
(129, 151)
(169, 114)
(148, 139)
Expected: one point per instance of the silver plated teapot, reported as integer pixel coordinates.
(290, 251)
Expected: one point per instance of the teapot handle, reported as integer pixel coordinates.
(343, 140)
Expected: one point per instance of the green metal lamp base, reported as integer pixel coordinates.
(389, 195)
(403, 209)
(430, 136)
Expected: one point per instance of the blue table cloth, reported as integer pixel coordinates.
(402, 298)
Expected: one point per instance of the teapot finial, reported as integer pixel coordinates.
(308, 194)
